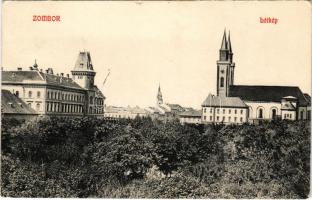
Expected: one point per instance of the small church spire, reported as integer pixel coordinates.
(159, 96)
(224, 45)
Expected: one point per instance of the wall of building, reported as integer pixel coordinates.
(287, 114)
(225, 115)
(190, 120)
(32, 95)
(267, 109)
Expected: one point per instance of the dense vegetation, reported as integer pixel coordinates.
(87, 157)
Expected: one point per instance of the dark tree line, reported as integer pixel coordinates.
(89, 157)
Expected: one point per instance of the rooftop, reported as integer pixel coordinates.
(219, 101)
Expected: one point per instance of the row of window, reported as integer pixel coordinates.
(30, 94)
(64, 108)
(223, 111)
(37, 106)
(97, 101)
(223, 119)
(95, 110)
(66, 97)
(287, 116)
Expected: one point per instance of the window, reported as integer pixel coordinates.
(241, 119)
(30, 94)
(217, 118)
(38, 106)
(204, 110)
(38, 94)
(273, 113)
(260, 115)
(223, 111)
(285, 116)
(235, 111)
(223, 119)
(290, 116)
(29, 104)
(301, 114)
(218, 111)
(229, 111)
(235, 118)
(210, 118)
(221, 82)
(229, 119)
(242, 111)
(210, 110)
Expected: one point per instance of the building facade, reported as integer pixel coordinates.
(55, 94)
(260, 102)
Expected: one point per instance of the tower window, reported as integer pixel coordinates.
(221, 82)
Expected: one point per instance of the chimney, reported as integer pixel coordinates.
(62, 74)
(19, 69)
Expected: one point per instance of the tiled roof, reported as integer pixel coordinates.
(288, 106)
(20, 76)
(191, 113)
(308, 98)
(217, 101)
(99, 92)
(14, 105)
(83, 62)
(52, 79)
(266, 93)
(176, 107)
(37, 76)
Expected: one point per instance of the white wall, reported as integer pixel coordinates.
(267, 108)
(225, 115)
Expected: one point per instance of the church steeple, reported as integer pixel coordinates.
(224, 50)
(230, 48)
(159, 96)
(225, 65)
(224, 45)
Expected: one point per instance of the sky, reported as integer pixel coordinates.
(174, 44)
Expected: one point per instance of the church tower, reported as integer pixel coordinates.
(225, 67)
(159, 97)
(83, 72)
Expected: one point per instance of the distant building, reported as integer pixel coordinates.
(124, 112)
(14, 107)
(191, 116)
(263, 102)
(55, 94)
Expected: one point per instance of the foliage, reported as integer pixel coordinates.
(90, 157)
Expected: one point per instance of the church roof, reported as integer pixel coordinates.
(11, 104)
(266, 93)
(308, 98)
(220, 101)
(34, 76)
(83, 62)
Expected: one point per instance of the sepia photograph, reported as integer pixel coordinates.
(156, 99)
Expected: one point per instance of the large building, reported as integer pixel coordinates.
(254, 102)
(48, 93)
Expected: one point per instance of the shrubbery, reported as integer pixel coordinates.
(89, 157)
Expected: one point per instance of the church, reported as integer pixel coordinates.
(250, 103)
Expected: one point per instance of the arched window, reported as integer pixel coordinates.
(38, 106)
(260, 113)
(38, 94)
(91, 99)
(30, 94)
(221, 82)
(273, 113)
